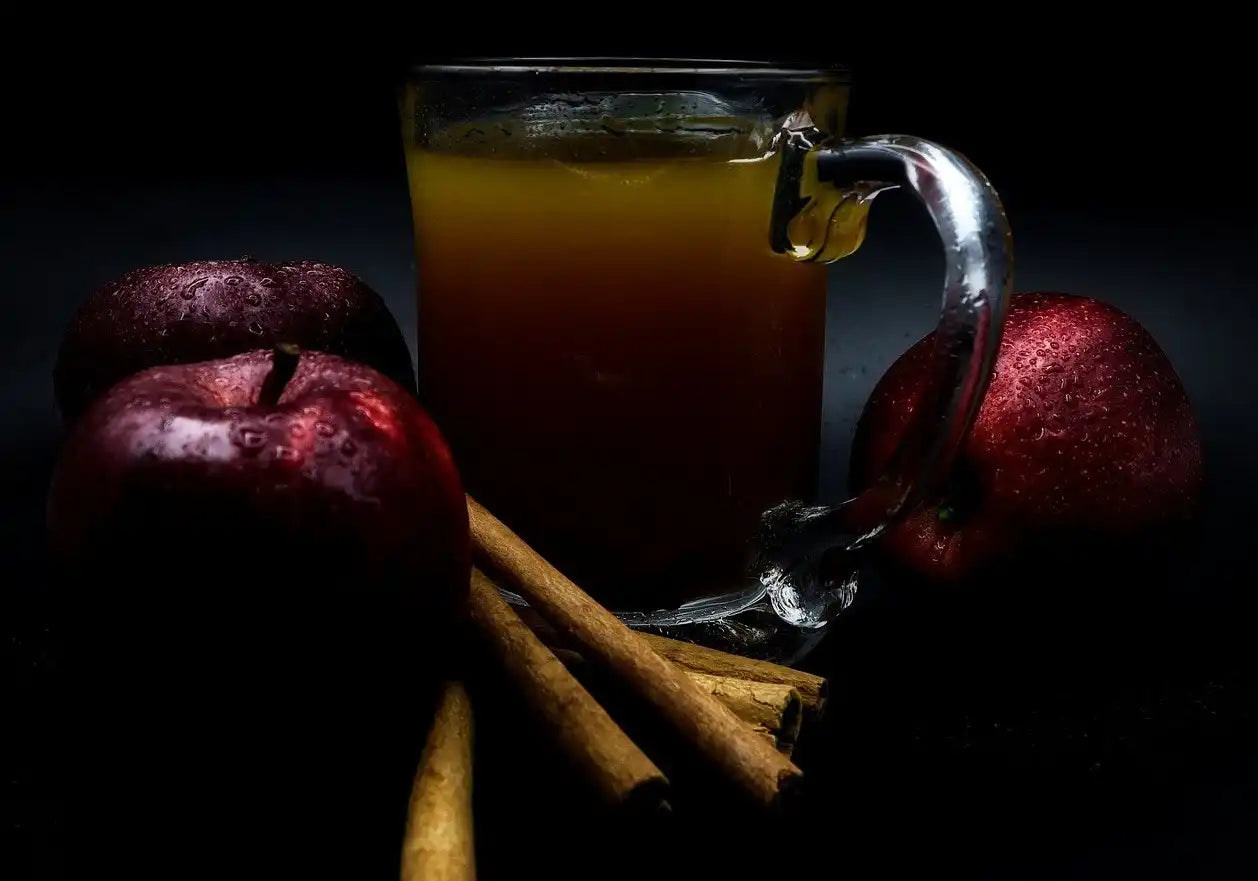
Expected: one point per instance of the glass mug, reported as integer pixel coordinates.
(622, 287)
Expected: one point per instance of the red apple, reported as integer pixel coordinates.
(1085, 430)
(268, 452)
(264, 557)
(176, 314)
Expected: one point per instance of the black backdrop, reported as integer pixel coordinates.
(1072, 738)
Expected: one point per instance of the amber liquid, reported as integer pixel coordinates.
(627, 374)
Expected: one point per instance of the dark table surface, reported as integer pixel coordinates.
(1102, 725)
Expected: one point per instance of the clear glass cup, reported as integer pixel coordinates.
(622, 289)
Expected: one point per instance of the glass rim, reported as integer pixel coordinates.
(629, 66)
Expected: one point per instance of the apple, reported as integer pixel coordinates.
(1085, 432)
(263, 560)
(269, 452)
(200, 311)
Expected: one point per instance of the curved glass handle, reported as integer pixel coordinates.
(796, 540)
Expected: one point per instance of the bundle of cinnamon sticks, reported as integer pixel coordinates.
(741, 716)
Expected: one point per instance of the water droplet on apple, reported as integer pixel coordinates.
(324, 429)
(251, 438)
(286, 454)
(255, 328)
(267, 282)
(297, 430)
(190, 289)
(232, 280)
(275, 418)
(253, 299)
(348, 447)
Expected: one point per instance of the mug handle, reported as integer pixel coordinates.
(808, 558)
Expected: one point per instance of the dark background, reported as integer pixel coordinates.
(1101, 725)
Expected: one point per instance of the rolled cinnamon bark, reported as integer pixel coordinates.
(812, 689)
(437, 845)
(715, 733)
(770, 706)
(601, 751)
(773, 710)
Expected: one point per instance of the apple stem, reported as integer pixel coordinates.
(284, 360)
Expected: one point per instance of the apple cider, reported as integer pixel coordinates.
(626, 372)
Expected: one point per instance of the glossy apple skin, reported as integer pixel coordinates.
(1085, 431)
(260, 600)
(209, 309)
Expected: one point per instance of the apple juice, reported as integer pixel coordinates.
(626, 372)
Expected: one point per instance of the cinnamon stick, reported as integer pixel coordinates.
(770, 706)
(708, 726)
(603, 753)
(813, 690)
(785, 747)
(437, 845)
(773, 710)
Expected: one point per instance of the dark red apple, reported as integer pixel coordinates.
(271, 453)
(183, 313)
(262, 559)
(1086, 430)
